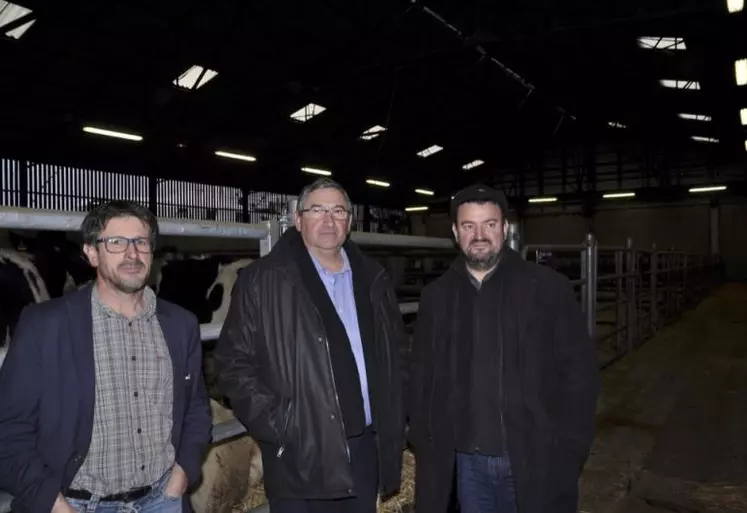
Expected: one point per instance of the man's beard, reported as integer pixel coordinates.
(129, 284)
(483, 261)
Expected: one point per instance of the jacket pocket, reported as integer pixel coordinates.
(284, 427)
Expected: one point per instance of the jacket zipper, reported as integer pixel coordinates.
(281, 450)
(337, 399)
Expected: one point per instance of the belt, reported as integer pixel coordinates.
(129, 496)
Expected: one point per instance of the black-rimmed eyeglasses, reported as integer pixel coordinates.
(120, 244)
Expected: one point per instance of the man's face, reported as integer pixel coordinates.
(324, 221)
(123, 264)
(480, 231)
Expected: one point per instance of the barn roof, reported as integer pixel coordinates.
(362, 89)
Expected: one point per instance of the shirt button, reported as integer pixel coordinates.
(139, 431)
(332, 416)
(135, 394)
(133, 358)
(142, 467)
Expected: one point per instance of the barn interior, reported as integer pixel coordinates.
(617, 131)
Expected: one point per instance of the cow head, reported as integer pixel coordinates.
(57, 258)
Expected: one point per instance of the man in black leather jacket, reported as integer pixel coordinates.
(311, 357)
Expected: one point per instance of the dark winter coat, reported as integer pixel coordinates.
(273, 363)
(550, 383)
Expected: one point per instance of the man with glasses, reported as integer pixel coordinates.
(309, 357)
(103, 405)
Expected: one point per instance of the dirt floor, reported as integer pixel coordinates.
(672, 418)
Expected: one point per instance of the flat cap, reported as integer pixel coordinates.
(478, 193)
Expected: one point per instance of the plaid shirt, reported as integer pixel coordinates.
(131, 443)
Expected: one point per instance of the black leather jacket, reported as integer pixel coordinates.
(273, 364)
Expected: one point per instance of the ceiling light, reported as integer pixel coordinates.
(735, 5)
(373, 132)
(612, 195)
(543, 200)
(112, 133)
(195, 77)
(378, 183)
(680, 84)
(615, 124)
(236, 156)
(315, 171)
(306, 113)
(473, 164)
(430, 151)
(415, 209)
(745, 145)
(694, 117)
(740, 71)
(709, 188)
(662, 43)
(701, 138)
(743, 116)
(424, 192)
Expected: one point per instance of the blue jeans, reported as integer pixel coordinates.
(485, 484)
(155, 502)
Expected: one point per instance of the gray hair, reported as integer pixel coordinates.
(321, 183)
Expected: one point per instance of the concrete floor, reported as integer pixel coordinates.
(672, 421)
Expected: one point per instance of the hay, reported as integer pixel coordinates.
(399, 503)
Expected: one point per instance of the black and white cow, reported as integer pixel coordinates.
(34, 270)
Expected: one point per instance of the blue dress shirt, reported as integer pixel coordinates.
(339, 286)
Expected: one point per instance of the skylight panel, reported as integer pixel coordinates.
(743, 116)
(734, 5)
(615, 124)
(662, 43)
(473, 164)
(700, 138)
(195, 77)
(430, 151)
(694, 117)
(681, 84)
(740, 71)
(10, 17)
(306, 113)
(373, 132)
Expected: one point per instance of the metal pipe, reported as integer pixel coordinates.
(590, 264)
(32, 219)
(401, 241)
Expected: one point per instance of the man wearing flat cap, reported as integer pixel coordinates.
(503, 377)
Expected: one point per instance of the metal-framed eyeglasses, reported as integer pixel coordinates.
(120, 244)
(318, 211)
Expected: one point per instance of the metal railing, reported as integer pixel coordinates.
(626, 293)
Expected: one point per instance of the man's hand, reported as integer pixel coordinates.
(62, 506)
(177, 485)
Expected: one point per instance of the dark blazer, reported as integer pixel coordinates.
(47, 398)
(549, 386)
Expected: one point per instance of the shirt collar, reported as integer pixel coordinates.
(321, 270)
(149, 297)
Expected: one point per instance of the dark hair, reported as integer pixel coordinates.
(321, 183)
(96, 220)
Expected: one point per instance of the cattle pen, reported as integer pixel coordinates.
(626, 293)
